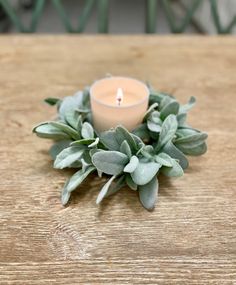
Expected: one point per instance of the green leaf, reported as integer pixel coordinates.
(168, 130)
(181, 119)
(108, 139)
(52, 101)
(150, 110)
(188, 106)
(142, 132)
(123, 134)
(125, 148)
(171, 108)
(83, 142)
(68, 156)
(131, 166)
(164, 159)
(195, 138)
(110, 162)
(65, 195)
(102, 194)
(153, 127)
(138, 141)
(116, 186)
(58, 147)
(193, 150)
(165, 101)
(95, 143)
(148, 194)
(87, 131)
(144, 172)
(72, 118)
(66, 129)
(174, 152)
(129, 181)
(155, 118)
(174, 171)
(78, 178)
(48, 131)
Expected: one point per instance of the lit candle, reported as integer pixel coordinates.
(118, 101)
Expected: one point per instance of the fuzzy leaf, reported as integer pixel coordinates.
(174, 171)
(150, 110)
(65, 195)
(52, 101)
(83, 142)
(168, 130)
(164, 159)
(117, 185)
(131, 166)
(66, 129)
(142, 132)
(48, 131)
(188, 106)
(181, 119)
(129, 181)
(95, 143)
(148, 194)
(72, 118)
(125, 148)
(123, 134)
(58, 147)
(87, 131)
(193, 150)
(171, 108)
(110, 162)
(102, 194)
(174, 152)
(195, 139)
(78, 178)
(108, 139)
(68, 156)
(144, 172)
(153, 127)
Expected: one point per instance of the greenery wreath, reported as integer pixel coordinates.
(158, 145)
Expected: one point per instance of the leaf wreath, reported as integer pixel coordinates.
(159, 145)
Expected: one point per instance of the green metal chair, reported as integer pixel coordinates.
(102, 7)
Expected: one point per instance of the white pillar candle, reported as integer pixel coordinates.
(118, 101)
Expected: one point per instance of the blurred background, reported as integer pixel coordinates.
(118, 16)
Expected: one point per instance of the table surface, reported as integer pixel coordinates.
(190, 238)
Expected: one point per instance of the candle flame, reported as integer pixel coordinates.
(119, 96)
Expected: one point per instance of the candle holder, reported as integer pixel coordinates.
(133, 158)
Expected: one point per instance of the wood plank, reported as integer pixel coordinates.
(190, 238)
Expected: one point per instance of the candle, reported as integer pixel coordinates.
(118, 101)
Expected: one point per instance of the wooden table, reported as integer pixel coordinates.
(190, 238)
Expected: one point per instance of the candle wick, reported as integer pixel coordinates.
(119, 96)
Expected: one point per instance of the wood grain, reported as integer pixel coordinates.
(190, 238)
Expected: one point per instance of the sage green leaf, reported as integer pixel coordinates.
(181, 119)
(110, 162)
(95, 143)
(78, 178)
(174, 152)
(185, 132)
(72, 118)
(94, 150)
(165, 101)
(102, 194)
(144, 172)
(129, 181)
(138, 141)
(131, 166)
(108, 139)
(150, 110)
(66, 129)
(142, 132)
(125, 148)
(68, 104)
(87, 131)
(58, 147)
(83, 142)
(153, 127)
(171, 108)
(123, 134)
(174, 171)
(48, 131)
(156, 97)
(116, 186)
(65, 195)
(188, 106)
(147, 151)
(67, 156)
(82, 110)
(164, 159)
(148, 194)
(155, 118)
(195, 138)
(193, 151)
(52, 101)
(168, 130)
